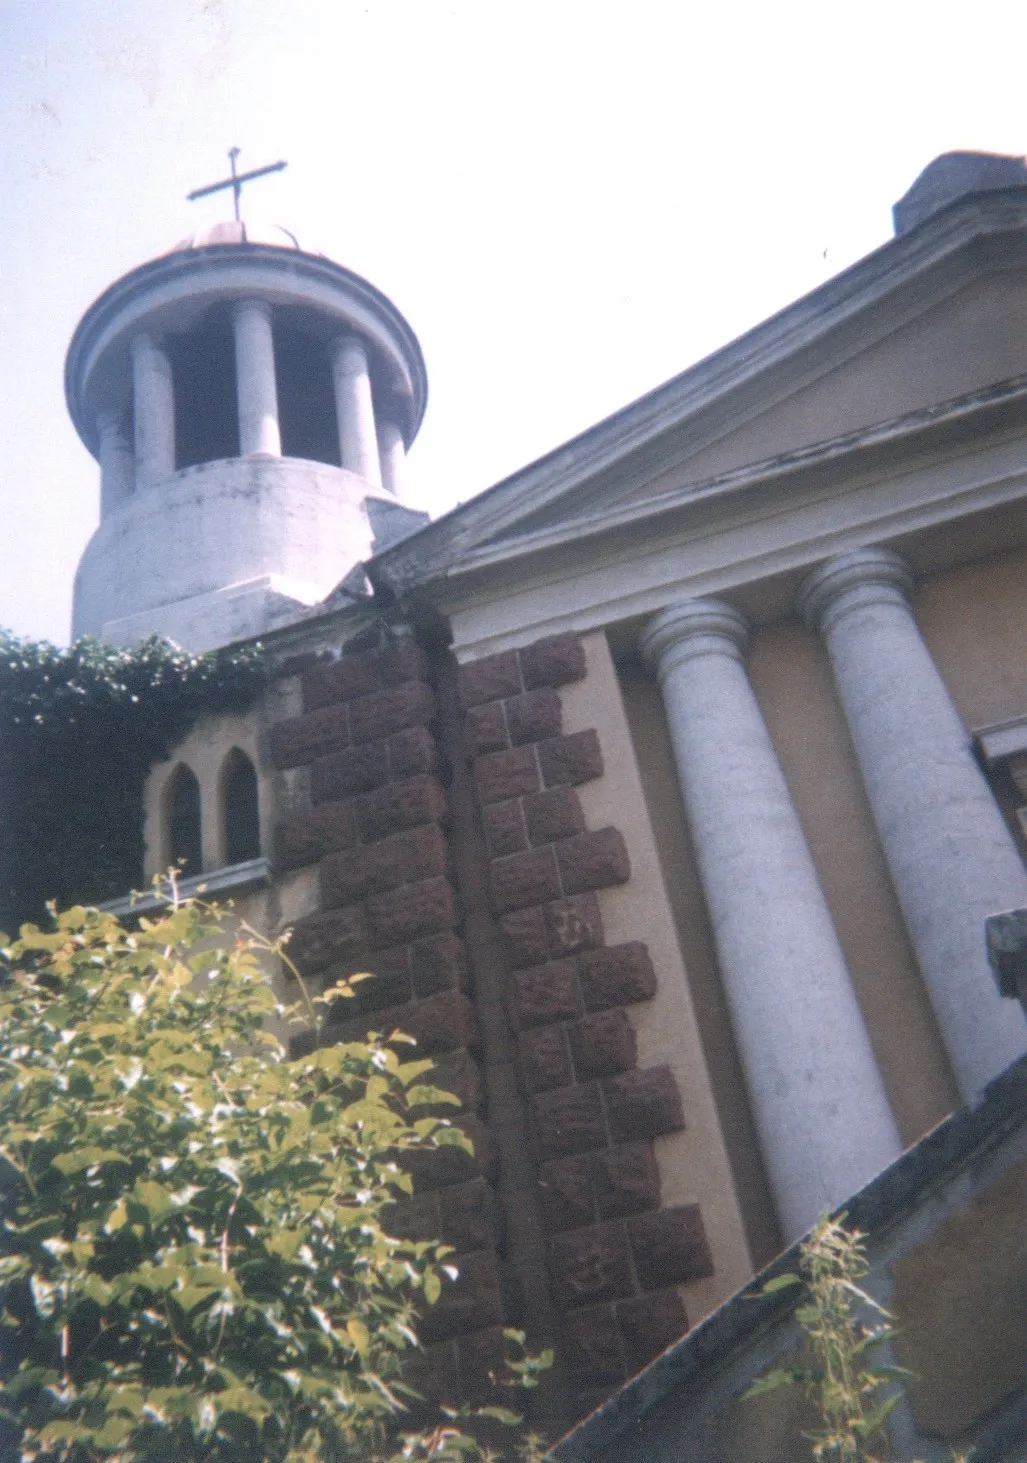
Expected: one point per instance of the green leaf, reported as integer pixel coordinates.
(779, 1282)
(69, 1163)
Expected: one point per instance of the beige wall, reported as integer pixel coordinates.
(694, 1167)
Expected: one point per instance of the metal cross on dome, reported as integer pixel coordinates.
(236, 181)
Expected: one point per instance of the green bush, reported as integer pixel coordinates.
(195, 1261)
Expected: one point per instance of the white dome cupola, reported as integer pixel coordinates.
(250, 406)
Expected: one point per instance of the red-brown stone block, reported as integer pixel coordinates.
(438, 963)
(670, 1247)
(405, 858)
(416, 1219)
(569, 1120)
(307, 836)
(386, 712)
(400, 915)
(485, 729)
(643, 1104)
(456, 1072)
(527, 937)
(344, 774)
(481, 1358)
(489, 679)
(617, 976)
(626, 1180)
(573, 924)
(389, 986)
(552, 815)
(400, 805)
(301, 739)
(533, 717)
(591, 1347)
(592, 861)
(318, 940)
(648, 1325)
(503, 775)
(546, 993)
(402, 660)
(545, 1059)
(470, 1215)
(570, 760)
(602, 1045)
(554, 661)
(504, 828)
(439, 1024)
(411, 752)
(590, 1265)
(342, 680)
(469, 1303)
(523, 879)
(565, 1189)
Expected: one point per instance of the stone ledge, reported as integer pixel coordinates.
(230, 879)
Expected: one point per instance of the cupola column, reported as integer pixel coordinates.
(358, 442)
(392, 454)
(153, 400)
(951, 857)
(817, 1095)
(256, 387)
(116, 466)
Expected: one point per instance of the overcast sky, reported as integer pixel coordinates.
(570, 200)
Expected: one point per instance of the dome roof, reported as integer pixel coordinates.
(237, 231)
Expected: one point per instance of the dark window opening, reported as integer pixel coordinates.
(306, 397)
(183, 804)
(206, 411)
(241, 808)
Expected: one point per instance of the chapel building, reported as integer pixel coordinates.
(665, 786)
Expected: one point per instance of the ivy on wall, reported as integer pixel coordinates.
(80, 728)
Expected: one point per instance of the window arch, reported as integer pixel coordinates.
(184, 839)
(240, 808)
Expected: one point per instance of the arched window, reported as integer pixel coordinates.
(240, 808)
(185, 848)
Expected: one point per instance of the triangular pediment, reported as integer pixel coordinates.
(934, 316)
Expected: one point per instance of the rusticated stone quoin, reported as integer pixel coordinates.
(404, 858)
(562, 927)
(405, 914)
(505, 831)
(387, 712)
(300, 739)
(400, 805)
(592, 1346)
(607, 1184)
(617, 976)
(470, 1302)
(548, 816)
(503, 775)
(670, 1247)
(569, 1120)
(590, 1265)
(602, 1045)
(649, 1325)
(643, 1104)
(318, 940)
(307, 836)
(570, 760)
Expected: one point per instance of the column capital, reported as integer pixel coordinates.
(694, 627)
(349, 353)
(851, 580)
(251, 305)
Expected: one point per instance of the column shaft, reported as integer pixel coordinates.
(117, 469)
(256, 387)
(951, 857)
(817, 1095)
(392, 454)
(153, 400)
(358, 442)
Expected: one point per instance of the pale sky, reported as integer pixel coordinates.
(570, 200)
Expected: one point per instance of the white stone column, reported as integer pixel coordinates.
(392, 454)
(817, 1096)
(117, 470)
(153, 404)
(255, 384)
(358, 441)
(951, 857)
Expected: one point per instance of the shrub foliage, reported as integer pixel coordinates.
(195, 1261)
